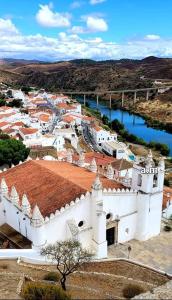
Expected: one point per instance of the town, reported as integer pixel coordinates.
(75, 181)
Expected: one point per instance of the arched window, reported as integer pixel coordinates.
(81, 223)
(139, 180)
(155, 180)
(108, 216)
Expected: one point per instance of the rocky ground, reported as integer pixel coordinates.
(99, 280)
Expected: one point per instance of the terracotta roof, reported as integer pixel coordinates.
(8, 130)
(2, 124)
(65, 106)
(44, 118)
(101, 159)
(18, 124)
(68, 119)
(27, 131)
(2, 108)
(54, 97)
(62, 105)
(97, 128)
(121, 164)
(51, 184)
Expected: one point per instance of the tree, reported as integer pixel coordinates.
(16, 103)
(12, 151)
(68, 256)
(2, 102)
(26, 89)
(117, 125)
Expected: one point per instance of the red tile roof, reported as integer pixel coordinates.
(101, 159)
(44, 118)
(97, 128)
(27, 131)
(19, 123)
(51, 185)
(2, 124)
(68, 119)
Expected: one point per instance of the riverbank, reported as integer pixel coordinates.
(124, 135)
(156, 113)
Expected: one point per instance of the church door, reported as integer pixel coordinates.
(110, 236)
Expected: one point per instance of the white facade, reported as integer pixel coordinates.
(115, 149)
(100, 135)
(108, 216)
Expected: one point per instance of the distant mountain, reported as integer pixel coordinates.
(17, 61)
(86, 74)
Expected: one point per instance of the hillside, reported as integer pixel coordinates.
(84, 74)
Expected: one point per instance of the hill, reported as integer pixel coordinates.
(86, 74)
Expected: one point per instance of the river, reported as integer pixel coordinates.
(134, 124)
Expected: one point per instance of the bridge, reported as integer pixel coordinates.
(123, 92)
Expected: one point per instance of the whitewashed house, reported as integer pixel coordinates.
(49, 201)
(100, 135)
(117, 149)
(29, 133)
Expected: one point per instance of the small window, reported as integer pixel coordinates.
(139, 181)
(81, 223)
(127, 230)
(108, 216)
(155, 180)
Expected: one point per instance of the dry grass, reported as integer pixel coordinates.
(110, 281)
(157, 109)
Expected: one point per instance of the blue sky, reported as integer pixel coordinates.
(98, 29)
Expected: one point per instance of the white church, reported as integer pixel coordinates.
(49, 201)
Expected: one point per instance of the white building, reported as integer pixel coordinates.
(115, 149)
(67, 133)
(49, 201)
(100, 135)
(29, 133)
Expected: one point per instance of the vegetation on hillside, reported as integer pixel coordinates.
(43, 291)
(120, 129)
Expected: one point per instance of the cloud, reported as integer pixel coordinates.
(78, 30)
(77, 4)
(47, 18)
(7, 27)
(93, 24)
(94, 2)
(96, 24)
(152, 37)
(71, 46)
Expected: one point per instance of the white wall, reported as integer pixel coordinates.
(124, 205)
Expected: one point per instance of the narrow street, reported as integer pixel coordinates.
(89, 139)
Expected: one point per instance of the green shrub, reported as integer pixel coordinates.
(132, 290)
(42, 291)
(167, 228)
(52, 276)
(4, 266)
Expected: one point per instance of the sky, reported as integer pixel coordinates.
(94, 29)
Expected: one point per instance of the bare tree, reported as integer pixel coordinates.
(68, 257)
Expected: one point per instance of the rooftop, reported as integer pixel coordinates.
(51, 185)
(116, 145)
(27, 131)
(101, 159)
(121, 164)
